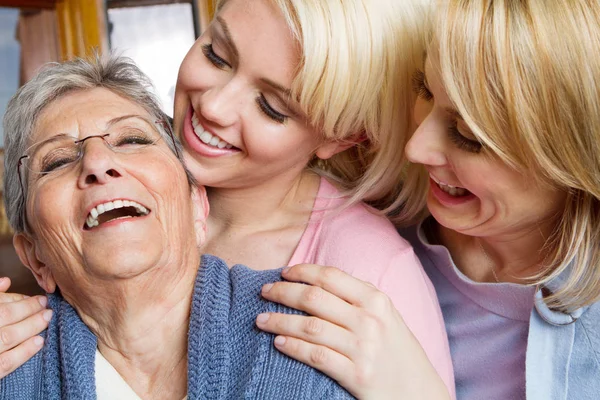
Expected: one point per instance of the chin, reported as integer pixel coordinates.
(458, 223)
(123, 264)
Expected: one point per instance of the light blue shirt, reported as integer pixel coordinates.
(505, 342)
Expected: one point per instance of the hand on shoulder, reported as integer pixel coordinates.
(353, 334)
(21, 319)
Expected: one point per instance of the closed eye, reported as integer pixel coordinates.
(270, 111)
(133, 137)
(463, 143)
(217, 61)
(134, 140)
(57, 160)
(420, 86)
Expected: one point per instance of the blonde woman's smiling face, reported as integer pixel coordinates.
(234, 112)
(471, 190)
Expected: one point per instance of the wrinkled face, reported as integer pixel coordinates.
(233, 111)
(114, 213)
(471, 190)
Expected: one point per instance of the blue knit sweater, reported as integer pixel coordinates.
(228, 357)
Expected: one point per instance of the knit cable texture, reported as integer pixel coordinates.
(228, 357)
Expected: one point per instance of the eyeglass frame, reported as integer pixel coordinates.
(165, 124)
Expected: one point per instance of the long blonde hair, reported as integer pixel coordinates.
(525, 76)
(353, 81)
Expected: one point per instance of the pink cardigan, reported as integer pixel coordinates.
(368, 247)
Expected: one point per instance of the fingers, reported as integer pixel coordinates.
(326, 360)
(12, 336)
(12, 312)
(8, 297)
(4, 284)
(313, 300)
(310, 329)
(11, 360)
(21, 317)
(333, 280)
(12, 297)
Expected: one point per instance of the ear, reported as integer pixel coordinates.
(201, 209)
(331, 148)
(26, 250)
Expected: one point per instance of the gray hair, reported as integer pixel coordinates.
(117, 74)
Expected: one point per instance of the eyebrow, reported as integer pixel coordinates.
(277, 86)
(108, 125)
(228, 39)
(124, 117)
(231, 44)
(453, 113)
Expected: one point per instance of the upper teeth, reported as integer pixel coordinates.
(207, 137)
(452, 190)
(92, 219)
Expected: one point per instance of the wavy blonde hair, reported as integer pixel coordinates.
(525, 76)
(354, 80)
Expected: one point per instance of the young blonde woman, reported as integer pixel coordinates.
(278, 95)
(291, 112)
(508, 147)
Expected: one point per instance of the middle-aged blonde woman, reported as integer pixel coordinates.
(508, 148)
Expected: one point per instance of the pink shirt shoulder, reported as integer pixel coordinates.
(367, 246)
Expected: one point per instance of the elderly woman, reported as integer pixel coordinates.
(108, 221)
(507, 153)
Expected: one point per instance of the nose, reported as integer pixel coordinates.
(427, 144)
(221, 103)
(98, 164)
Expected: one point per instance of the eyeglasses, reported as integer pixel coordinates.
(132, 134)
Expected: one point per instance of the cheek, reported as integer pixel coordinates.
(52, 203)
(196, 71)
(483, 178)
(192, 74)
(276, 142)
(164, 176)
(494, 182)
(162, 168)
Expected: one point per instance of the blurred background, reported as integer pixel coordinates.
(155, 33)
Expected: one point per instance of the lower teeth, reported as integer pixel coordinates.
(456, 192)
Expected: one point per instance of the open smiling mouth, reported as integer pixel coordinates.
(114, 210)
(453, 191)
(208, 138)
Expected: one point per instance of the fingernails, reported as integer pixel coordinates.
(43, 300)
(285, 270)
(267, 287)
(38, 341)
(47, 315)
(262, 318)
(2, 280)
(279, 341)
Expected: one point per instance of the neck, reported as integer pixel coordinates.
(515, 257)
(262, 207)
(142, 325)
